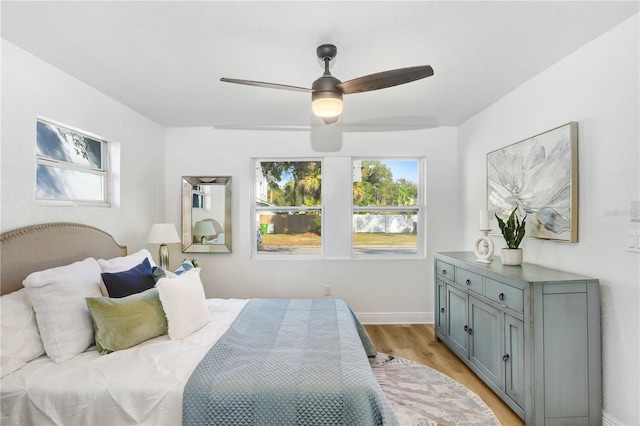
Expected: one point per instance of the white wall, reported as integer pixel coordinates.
(31, 87)
(596, 86)
(380, 290)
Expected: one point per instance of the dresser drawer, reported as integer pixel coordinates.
(446, 270)
(506, 295)
(469, 280)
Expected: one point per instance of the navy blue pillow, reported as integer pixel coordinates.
(125, 283)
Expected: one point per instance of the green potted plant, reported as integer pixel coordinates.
(513, 233)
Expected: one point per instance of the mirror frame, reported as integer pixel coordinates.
(188, 246)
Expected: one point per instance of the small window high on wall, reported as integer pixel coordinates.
(72, 166)
(386, 207)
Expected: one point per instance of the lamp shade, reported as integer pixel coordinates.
(163, 233)
(204, 227)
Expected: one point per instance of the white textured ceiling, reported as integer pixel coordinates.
(164, 59)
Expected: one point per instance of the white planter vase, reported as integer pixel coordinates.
(511, 257)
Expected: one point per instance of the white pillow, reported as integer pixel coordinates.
(58, 299)
(20, 341)
(184, 303)
(124, 263)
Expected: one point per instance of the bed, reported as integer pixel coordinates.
(256, 361)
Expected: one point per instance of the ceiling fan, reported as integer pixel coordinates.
(326, 91)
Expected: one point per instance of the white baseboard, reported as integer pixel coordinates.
(395, 317)
(608, 420)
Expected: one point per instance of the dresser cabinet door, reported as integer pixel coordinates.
(514, 359)
(441, 302)
(456, 318)
(485, 340)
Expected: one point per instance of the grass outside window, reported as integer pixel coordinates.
(359, 239)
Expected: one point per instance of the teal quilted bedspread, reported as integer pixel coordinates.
(288, 362)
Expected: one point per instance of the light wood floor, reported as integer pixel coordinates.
(417, 342)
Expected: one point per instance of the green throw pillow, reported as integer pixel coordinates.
(124, 322)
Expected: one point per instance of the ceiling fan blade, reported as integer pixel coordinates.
(385, 79)
(267, 85)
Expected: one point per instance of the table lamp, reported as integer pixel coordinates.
(163, 234)
(203, 229)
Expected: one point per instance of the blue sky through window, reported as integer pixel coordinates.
(407, 169)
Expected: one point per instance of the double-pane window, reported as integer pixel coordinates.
(71, 166)
(386, 206)
(288, 207)
(364, 207)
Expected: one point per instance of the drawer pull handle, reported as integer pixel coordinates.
(468, 282)
(442, 310)
(505, 358)
(465, 328)
(469, 330)
(444, 272)
(501, 296)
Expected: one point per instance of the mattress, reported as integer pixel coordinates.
(140, 385)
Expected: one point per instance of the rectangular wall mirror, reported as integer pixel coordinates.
(206, 214)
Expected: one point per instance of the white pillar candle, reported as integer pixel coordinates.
(484, 220)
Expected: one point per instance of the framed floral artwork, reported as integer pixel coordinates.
(539, 177)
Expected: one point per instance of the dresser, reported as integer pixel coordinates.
(532, 334)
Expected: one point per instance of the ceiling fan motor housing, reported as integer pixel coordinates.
(327, 85)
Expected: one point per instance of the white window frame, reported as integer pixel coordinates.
(255, 210)
(104, 172)
(419, 209)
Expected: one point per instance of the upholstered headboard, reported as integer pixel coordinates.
(38, 247)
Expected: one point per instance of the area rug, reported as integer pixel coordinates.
(422, 396)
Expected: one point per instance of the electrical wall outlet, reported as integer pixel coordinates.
(635, 211)
(633, 241)
(327, 290)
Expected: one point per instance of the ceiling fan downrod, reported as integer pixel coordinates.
(326, 53)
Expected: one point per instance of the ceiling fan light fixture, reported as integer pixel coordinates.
(326, 104)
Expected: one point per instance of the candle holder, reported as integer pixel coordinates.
(484, 247)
